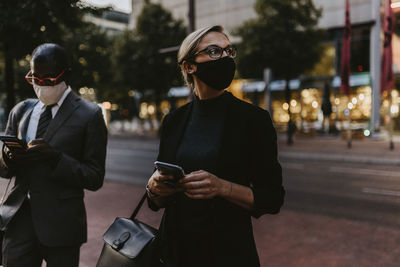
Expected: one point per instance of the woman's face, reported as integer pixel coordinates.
(211, 39)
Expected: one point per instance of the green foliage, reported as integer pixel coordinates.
(25, 23)
(136, 53)
(90, 50)
(283, 37)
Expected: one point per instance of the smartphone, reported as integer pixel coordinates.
(13, 143)
(170, 169)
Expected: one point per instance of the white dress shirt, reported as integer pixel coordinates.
(38, 110)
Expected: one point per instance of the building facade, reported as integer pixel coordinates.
(111, 21)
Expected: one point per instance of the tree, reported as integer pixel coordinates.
(90, 50)
(24, 24)
(141, 66)
(283, 37)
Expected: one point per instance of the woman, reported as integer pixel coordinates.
(228, 150)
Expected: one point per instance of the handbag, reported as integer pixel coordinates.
(130, 243)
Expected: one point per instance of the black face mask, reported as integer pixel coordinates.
(218, 74)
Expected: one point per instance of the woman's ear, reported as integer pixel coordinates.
(189, 67)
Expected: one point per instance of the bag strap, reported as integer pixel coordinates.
(136, 211)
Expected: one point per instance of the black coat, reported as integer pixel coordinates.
(56, 194)
(248, 156)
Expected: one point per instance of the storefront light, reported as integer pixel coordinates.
(395, 93)
(305, 93)
(337, 101)
(285, 106)
(361, 97)
(150, 109)
(354, 100)
(385, 103)
(394, 109)
(315, 104)
(293, 103)
(367, 132)
(350, 106)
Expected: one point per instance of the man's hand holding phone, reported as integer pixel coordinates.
(20, 153)
(14, 149)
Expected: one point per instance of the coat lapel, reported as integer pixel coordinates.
(67, 108)
(177, 132)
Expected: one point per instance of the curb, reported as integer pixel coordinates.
(339, 158)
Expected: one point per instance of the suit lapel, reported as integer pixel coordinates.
(67, 108)
(24, 122)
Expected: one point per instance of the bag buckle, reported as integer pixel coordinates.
(119, 243)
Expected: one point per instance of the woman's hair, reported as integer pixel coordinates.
(189, 46)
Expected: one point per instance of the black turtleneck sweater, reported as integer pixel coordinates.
(198, 150)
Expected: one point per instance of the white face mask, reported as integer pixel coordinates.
(50, 94)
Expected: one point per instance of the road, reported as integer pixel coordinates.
(367, 193)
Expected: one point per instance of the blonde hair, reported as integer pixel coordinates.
(189, 46)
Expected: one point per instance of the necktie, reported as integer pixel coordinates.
(44, 121)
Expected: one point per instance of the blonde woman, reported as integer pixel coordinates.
(228, 151)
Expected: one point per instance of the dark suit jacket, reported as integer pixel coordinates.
(56, 193)
(248, 157)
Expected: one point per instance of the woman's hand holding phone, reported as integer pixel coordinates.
(157, 185)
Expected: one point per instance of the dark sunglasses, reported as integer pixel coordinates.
(48, 81)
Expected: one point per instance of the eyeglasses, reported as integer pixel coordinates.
(31, 79)
(216, 52)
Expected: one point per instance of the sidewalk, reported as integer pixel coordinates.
(333, 148)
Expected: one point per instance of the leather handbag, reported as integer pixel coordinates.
(130, 243)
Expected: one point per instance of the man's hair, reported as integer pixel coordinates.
(51, 53)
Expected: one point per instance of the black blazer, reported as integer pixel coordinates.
(56, 195)
(248, 156)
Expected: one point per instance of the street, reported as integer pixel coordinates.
(361, 192)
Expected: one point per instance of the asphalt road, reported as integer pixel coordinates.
(360, 192)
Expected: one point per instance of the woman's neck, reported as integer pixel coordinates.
(203, 91)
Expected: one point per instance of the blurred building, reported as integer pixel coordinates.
(367, 108)
(229, 13)
(111, 21)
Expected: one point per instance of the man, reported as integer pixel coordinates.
(44, 215)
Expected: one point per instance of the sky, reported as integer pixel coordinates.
(120, 5)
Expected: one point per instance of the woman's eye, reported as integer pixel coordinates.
(213, 51)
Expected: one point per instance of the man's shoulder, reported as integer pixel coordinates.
(85, 106)
(24, 105)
